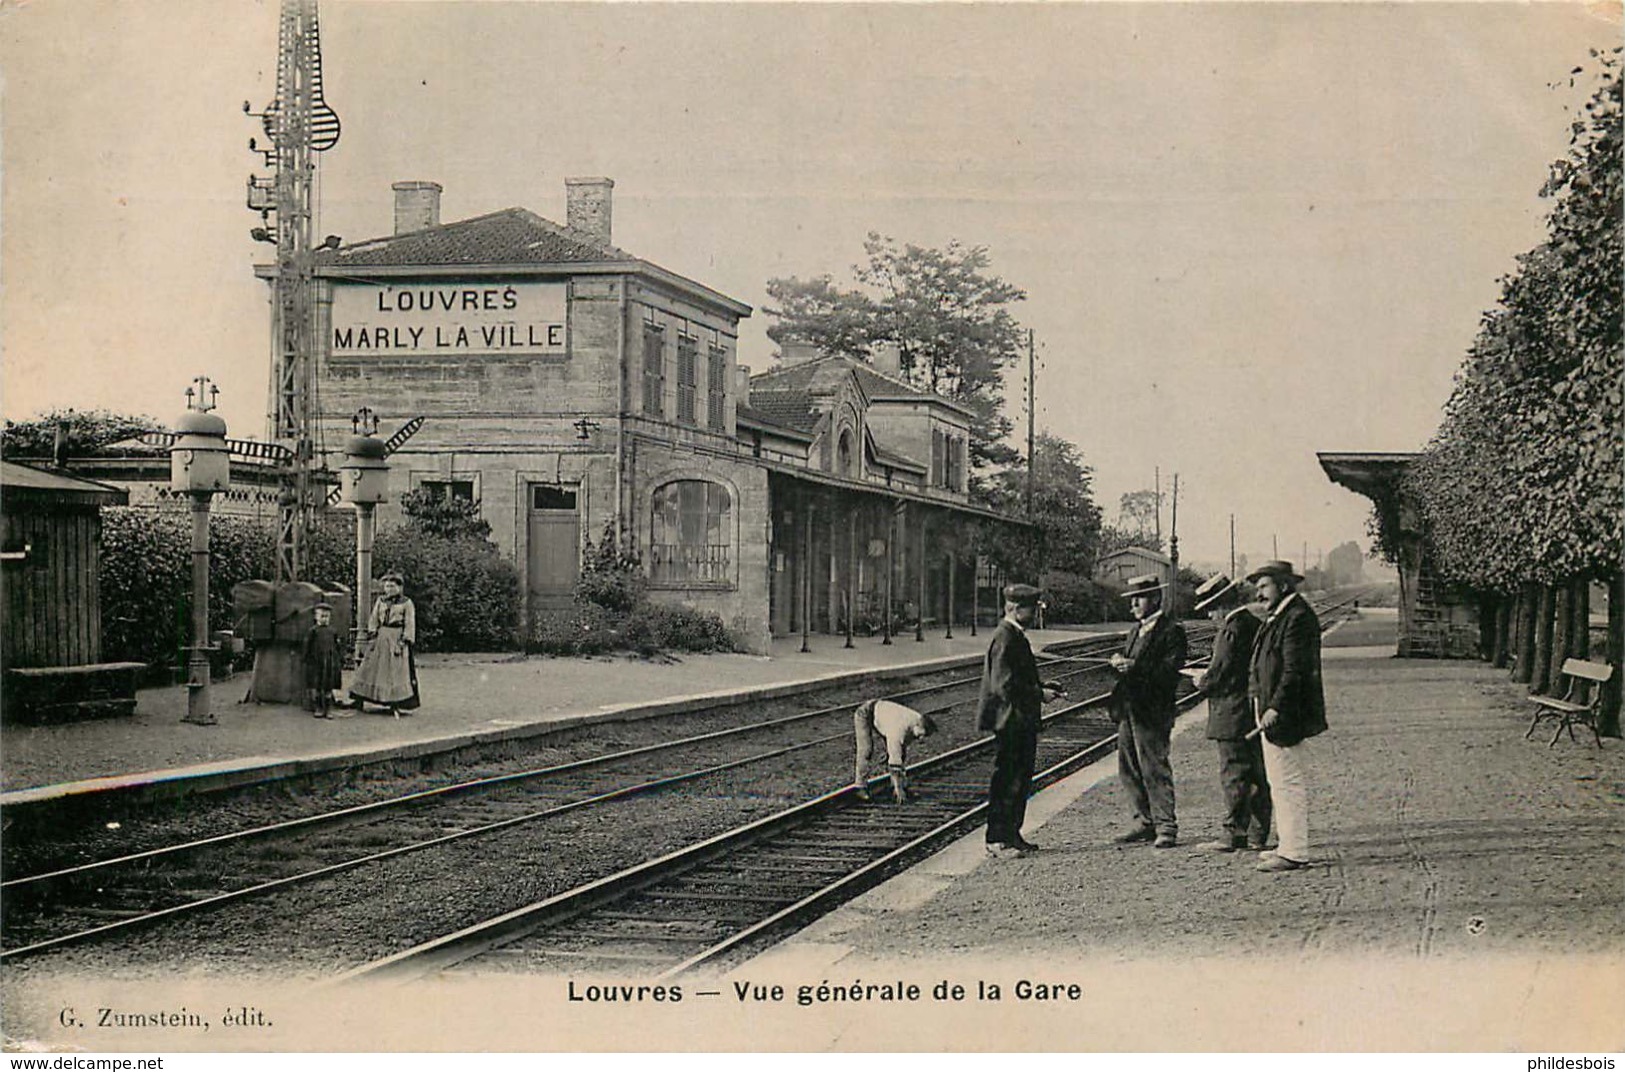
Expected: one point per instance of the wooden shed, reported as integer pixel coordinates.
(51, 647)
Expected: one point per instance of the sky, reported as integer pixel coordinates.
(1247, 232)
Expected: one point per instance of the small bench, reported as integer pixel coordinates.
(1572, 707)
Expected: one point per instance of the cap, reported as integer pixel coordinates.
(1023, 595)
(1275, 568)
(1212, 590)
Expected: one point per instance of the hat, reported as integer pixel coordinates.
(322, 606)
(392, 575)
(1211, 591)
(1023, 595)
(1275, 568)
(1143, 585)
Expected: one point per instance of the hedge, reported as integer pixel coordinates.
(467, 594)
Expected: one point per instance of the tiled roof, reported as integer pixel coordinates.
(823, 371)
(512, 236)
(751, 416)
(797, 377)
(897, 461)
(793, 409)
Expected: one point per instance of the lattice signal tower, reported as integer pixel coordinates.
(299, 123)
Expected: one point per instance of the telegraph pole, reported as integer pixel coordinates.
(1172, 599)
(299, 123)
(1232, 545)
(1157, 493)
(1032, 407)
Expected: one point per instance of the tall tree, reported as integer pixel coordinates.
(1137, 512)
(1063, 502)
(948, 314)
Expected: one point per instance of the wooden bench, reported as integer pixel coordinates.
(1573, 706)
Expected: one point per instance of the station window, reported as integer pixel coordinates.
(654, 370)
(448, 490)
(717, 389)
(549, 497)
(687, 377)
(691, 537)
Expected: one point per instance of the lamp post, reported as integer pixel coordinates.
(364, 479)
(199, 466)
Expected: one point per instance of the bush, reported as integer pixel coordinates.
(465, 592)
(611, 574)
(646, 630)
(146, 579)
(1074, 600)
(467, 595)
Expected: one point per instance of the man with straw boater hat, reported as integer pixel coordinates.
(1230, 720)
(1289, 706)
(1142, 701)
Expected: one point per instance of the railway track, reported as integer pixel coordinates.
(113, 897)
(714, 902)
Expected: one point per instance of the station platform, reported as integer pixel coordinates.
(1465, 895)
(465, 698)
(1467, 892)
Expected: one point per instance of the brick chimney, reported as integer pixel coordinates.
(587, 206)
(887, 357)
(417, 205)
(795, 351)
(742, 381)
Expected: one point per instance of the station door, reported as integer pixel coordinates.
(553, 547)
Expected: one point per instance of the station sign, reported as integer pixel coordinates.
(448, 319)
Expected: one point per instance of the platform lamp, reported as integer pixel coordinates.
(364, 480)
(199, 466)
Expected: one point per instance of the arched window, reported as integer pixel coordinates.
(843, 454)
(691, 537)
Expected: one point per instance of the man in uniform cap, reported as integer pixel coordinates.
(1230, 720)
(1289, 703)
(1012, 701)
(1142, 701)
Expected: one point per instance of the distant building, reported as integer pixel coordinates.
(142, 472)
(1117, 567)
(568, 386)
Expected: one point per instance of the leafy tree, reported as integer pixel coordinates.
(1115, 538)
(444, 516)
(1063, 502)
(1523, 479)
(1137, 512)
(85, 432)
(949, 316)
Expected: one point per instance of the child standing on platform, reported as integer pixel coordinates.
(324, 663)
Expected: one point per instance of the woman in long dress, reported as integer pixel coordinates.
(388, 675)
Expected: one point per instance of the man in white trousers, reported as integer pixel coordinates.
(1289, 703)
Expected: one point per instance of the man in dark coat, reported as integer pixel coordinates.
(1142, 701)
(1289, 703)
(1012, 701)
(1230, 719)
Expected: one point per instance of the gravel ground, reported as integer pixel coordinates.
(1438, 831)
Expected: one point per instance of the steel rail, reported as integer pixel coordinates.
(361, 811)
(470, 942)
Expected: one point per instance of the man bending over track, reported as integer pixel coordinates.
(898, 725)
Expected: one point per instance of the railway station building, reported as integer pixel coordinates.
(573, 389)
